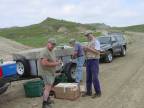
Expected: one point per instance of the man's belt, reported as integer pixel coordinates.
(80, 55)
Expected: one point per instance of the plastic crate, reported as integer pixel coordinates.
(33, 88)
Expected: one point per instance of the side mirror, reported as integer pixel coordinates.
(113, 41)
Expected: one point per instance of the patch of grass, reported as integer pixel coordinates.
(34, 41)
(39, 41)
(136, 28)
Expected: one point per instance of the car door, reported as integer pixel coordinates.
(115, 45)
(121, 42)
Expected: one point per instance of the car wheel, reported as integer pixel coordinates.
(23, 67)
(109, 56)
(123, 51)
(3, 87)
(71, 72)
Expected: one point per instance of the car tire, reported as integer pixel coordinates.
(71, 72)
(109, 57)
(123, 51)
(3, 88)
(23, 68)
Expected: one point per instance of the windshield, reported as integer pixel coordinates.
(104, 40)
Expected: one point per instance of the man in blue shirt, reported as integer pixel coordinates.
(79, 55)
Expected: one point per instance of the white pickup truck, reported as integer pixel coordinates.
(27, 65)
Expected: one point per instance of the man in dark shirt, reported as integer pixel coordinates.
(79, 55)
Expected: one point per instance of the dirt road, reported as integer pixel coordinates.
(122, 83)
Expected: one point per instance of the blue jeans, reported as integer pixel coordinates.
(79, 68)
(92, 71)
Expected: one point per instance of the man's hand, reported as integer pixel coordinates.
(48, 63)
(74, 55)
(93, 50)
(85, 48)
(58, 62)
(57, 74)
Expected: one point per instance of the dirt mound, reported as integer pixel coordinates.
(8, 47)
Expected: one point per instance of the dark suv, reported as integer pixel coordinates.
(111, 45)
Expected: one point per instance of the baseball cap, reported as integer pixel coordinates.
(72, 40)
(87, 33)
(52, 40)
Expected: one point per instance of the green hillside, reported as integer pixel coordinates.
(135, 28)
(36, 35)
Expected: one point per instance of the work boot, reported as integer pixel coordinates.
(86, 94)
(46, 105)
(49, 101)
(96, 95)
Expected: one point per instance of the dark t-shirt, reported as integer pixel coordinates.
(79, 49)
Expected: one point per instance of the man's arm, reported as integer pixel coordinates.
(45, 62)
(93, 50)
(75, 53)
(76, 47)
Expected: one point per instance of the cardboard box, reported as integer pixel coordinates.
(82, 89)
(70, 91)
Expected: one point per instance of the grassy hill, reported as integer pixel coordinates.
(36, 35)
(135, 28)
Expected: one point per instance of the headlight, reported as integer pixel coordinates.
(102, 50)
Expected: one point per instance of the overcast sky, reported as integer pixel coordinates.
(111, 12)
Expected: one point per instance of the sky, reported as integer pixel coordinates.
(111, 12)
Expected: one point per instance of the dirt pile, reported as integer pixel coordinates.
(8, 47)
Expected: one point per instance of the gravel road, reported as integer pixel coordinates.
(122, 83)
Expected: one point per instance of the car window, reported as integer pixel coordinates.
(120, 38)
(113, 39)
(104, 40)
